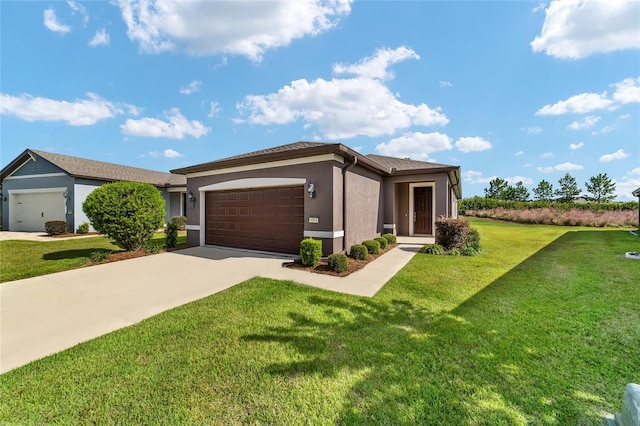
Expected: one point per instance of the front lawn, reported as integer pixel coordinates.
(25, 259)
(543, 328)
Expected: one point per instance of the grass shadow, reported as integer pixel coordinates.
(74, 254)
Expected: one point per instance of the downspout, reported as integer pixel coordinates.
(344, 202)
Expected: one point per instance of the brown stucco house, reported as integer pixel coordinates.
(271, 199)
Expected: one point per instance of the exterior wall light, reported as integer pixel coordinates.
(311, 189)
(192, 199)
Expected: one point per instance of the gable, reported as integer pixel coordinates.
(36, 166)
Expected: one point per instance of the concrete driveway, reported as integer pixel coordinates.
(43, 315)
(35, 236)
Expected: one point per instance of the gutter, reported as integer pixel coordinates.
(344, 201)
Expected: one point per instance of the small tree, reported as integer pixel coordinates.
(544, 191)
(127, 212)
(520, 193)
(568, 190)
(601, 187)
(497, 189)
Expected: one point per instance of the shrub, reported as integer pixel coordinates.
(468, 251)
(99, 256)
(372, 246)
(337, 262)
(451, 233)
(56, 227)
(127, 212)
(432, 249)
(473, 239)
(171, 234)
(358, 251)
(151, 246)
(382, 241)
(454, 252)
(310, 252)
(83, 228)
(181, 221)
(391, 238)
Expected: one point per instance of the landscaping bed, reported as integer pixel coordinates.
(353, 264)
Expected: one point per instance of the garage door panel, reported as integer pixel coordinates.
(270, 219)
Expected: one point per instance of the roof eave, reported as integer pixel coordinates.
(17, 162)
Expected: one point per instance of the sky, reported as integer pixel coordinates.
(521, 90)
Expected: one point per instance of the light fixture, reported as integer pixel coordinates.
(311, 189)
(192, 198)
(65, 194)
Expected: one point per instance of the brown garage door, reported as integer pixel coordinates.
(269, 219)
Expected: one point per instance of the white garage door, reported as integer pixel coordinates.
(30, 211)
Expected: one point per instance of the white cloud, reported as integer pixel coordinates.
(100, 38)
(191, 88)
(575, 29)
(605, 129)
(532, 130)
(472, 176)
(415, 145)
(627, 90)
(624, 116)
(548, 155)
(515, 179)
(579, 104)
(377, 66)
(575, 146)
(635, 172)
(52, 23)
(81, 112)
(625, 187)
(545, 169)
(618, 155)
(170, 153)
(563, 167)
(343, 108)
(78, 8)
(177, 126)
(445, 83)
(214, 27)
(214, 108)
(519, 153)
(588, 121)
(472, 144)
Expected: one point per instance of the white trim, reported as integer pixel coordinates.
(253, 183)
(411, 205)
(37, 190)
(44, 175)
(177, 189)
(203, 223)
(323, 234)
(192, 227)
(389, 226)
(269, 165)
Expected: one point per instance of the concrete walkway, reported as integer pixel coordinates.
(43, 315)
(36, 236)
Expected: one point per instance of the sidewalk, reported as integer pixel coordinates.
(43, 315)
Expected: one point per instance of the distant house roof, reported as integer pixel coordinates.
(98, 170)
(636, 193)
(380, 164)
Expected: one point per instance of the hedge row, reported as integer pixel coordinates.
(481, 203)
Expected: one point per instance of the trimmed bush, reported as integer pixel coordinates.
(337, 262)
(383, 242)
(432, 249)
(127, 212)
(473, 239)
(83, 228)
(391, 238)
(181, 221)
(372, 246)
(171, 234)
(56, 227)
(358, 251)
(310, 252)
(451, 233)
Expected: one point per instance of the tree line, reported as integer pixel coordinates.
(600, 188)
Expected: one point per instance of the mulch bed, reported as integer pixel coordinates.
(124, 255)
(353, 264)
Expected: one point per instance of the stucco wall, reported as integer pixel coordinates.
(364, 205)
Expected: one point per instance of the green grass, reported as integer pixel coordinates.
(543, 328)
(25, 259)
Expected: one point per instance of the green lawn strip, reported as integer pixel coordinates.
(25, 259)
(542, 328)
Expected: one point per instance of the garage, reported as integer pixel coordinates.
(267, 219)
(29, 211)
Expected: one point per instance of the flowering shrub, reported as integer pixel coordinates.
(555, 216)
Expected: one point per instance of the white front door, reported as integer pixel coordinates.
(30, 211)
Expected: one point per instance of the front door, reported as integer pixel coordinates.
(422, 210)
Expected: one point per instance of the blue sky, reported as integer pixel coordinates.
(520, 90)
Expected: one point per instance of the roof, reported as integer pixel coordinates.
(404, 164)
(636, 193)
(98, 170)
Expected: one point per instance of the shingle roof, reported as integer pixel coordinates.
(401, 164)
(99, 170)
(277, 149)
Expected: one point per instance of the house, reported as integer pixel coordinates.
(40, 186)
(271, 199)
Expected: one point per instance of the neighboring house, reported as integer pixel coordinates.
(41, 186)
(271, 199)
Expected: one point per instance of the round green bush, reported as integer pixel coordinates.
(391, 238)
(83, 228)
(127, 212)
(337, 262)
(358, 251)
(171, 234)
(383, 242)
(372, 246)
(310, 252)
